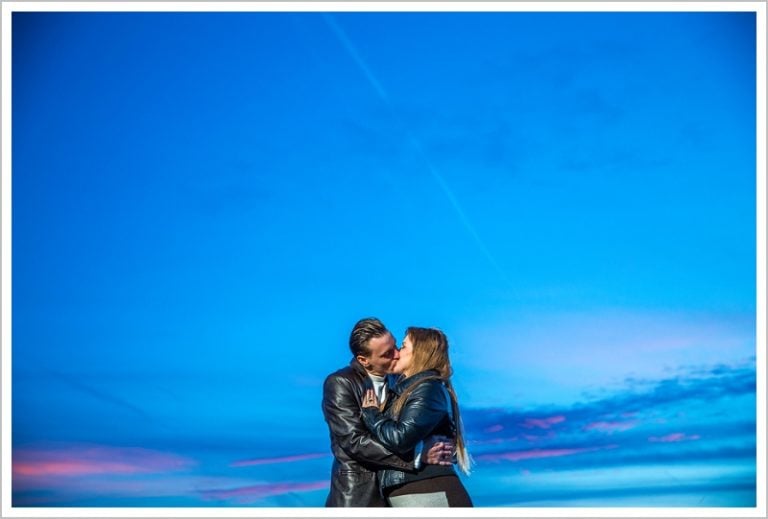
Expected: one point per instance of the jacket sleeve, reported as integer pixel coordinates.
(425, 408)
(341, 409)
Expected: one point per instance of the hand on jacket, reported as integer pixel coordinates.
(370, 400)
(438, 450)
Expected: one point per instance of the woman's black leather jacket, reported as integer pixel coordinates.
(426, 412)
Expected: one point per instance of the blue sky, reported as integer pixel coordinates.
(205, 203)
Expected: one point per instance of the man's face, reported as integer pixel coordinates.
(383, 355)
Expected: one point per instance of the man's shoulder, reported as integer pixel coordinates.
(347, 373)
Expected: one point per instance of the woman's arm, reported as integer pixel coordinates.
(340, 407)
(425, 408)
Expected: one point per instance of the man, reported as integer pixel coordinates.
(357, 455)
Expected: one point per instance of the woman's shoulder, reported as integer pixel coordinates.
(432, 382)
(428, 385)
(429, 394)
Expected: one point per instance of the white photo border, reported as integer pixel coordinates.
(8, 8)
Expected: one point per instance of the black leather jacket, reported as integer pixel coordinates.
(427, 411)
(358, 455)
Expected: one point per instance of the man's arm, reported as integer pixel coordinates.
(342, 413)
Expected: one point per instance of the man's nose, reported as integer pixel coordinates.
(396, 356)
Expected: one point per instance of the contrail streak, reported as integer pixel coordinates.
(462, 216)
(415, 143)
(341, 35)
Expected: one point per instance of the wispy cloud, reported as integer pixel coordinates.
(610, 427)
(674, 437)
(254, 493)
(538, 453)
(635, 400)
(543, 423)
(85, 460)
(281, 459)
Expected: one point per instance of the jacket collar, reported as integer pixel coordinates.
(357, 367)
(405, 383)
(390, 381)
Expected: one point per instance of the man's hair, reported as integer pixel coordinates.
(365, 330)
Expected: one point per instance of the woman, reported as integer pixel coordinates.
(426, 405)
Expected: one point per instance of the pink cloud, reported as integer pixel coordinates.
(283, 459)
(492, 441)
(543, 423)
(494, 429)
(610, 427)
(537, 453)
(674, 437)
(533, 438)
(252, 493)
(72, 468)
(85, 460)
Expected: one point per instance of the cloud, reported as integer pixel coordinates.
(674, 437)
(543, 423)
(253, 493)
(637, 399)
(537, 453)
(719, 382)
(86, 460)
(643, 420)
(610, 427)
(282, 459)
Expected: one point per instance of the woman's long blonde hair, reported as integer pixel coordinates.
(430, 352)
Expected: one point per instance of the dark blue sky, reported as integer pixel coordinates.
(205, 203)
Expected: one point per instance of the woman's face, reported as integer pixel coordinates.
(406, 356)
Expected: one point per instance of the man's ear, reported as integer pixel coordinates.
(363, 361)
